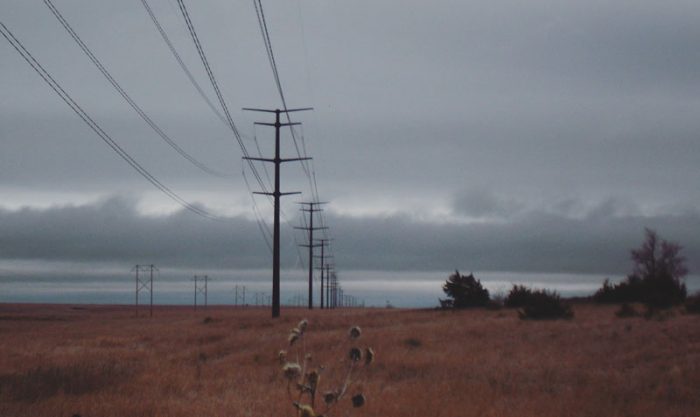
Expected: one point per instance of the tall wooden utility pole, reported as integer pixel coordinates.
(276, 194)
(311, 208)
(322, 244)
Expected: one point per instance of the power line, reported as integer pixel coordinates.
(56, 87)
(264, 228)
(126, 96)
(222, 102)
(181, 63)
(262, 22)
(215, 85)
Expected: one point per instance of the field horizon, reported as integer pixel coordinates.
(103, 360)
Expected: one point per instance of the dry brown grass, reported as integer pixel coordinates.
(102, 361)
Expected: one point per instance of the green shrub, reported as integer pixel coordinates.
(464, 291)
(626, 310)
(518, 296)
(657, 279)
(692, 304)
(545, 305)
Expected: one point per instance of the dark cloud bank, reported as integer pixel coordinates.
(113, 232)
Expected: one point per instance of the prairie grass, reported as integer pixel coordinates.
(103, 361)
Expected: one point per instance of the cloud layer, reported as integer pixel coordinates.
(113, 232)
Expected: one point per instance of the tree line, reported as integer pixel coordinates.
(657, 281)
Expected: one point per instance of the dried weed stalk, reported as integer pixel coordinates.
(304, 380)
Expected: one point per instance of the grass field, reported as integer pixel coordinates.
(104, 361)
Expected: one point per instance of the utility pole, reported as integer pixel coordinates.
(328, 285)
(311, 208)
(144, 284)
(323, 243)
(276, 194)
(240, 294)
(200, 287)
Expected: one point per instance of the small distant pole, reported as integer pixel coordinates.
(136, 302)
(201, 287)
(322, 244)
(311, 208)
(329, 285)
(151, 290)
(143, 284)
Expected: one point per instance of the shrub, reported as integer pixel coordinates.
(692, 304)
(626, 310)
(545, 305)
(518, 296)
(464, 291)
(657, 279)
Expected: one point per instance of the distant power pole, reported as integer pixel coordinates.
(330, 279)
(322, 244)
(144, 283)
(311, 208)
(276, 194)
(240, 294)
(200, 287)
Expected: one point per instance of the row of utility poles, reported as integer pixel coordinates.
(329, 283)
(331, 294)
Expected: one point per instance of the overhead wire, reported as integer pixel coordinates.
(164, 35)
(310, 172)
(222, 102)
(217, 91)
(127, 97)
(264, 228)
(262, 22)
(56, 87)
(181, 63)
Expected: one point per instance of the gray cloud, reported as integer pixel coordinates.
(531, 113)
(479, 202)
(113, 232)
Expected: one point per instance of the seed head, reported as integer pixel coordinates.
(355, 354)
(329, 397)
(312, 379)
(355, 332)
(369, 356)
(302, 325)
(305, 410)
(282, 356)
(291, 370)
(293, 336)
(358, 400)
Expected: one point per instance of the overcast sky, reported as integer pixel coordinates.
(538, 136)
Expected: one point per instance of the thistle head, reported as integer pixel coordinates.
(305, 410)
(358, 400)
(302, 325)
(291, 370)
(293, 336)
(355, 354)
(355, 332)
(369, 356)
(329, 397)
(312, 379)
